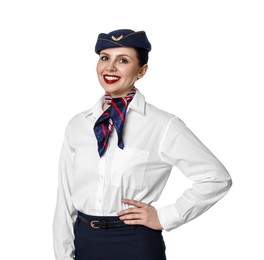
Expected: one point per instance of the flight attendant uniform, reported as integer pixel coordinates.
(91, 187)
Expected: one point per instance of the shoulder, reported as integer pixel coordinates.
(160, 114)
(149, 110)
(86, 114)
(79, 116)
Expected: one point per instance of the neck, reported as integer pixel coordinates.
(108, 98)
(105, 106)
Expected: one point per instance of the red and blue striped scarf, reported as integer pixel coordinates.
(114, 116)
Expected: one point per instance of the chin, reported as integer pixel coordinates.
(110, 88)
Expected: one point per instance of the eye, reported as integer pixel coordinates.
(103, 58)
(123, 61)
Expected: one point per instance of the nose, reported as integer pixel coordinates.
(111, 67)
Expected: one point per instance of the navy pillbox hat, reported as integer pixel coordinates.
(122, 38)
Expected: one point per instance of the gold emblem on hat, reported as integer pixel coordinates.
(117, 39)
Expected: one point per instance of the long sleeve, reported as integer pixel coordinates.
(211, 181)
(65, 213)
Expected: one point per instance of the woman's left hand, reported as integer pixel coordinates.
(141, 214)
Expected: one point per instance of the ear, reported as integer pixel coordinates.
(142, 71)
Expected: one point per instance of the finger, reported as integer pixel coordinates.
(131, 217)
(129, 211)
(134, 222)
(135, 203)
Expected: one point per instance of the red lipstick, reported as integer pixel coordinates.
(111, 79)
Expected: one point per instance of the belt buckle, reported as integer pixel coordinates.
(93, 224)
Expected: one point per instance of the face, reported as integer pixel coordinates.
(117, 70)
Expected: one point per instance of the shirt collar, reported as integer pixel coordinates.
(137, 104)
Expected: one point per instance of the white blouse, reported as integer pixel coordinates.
(155, 141)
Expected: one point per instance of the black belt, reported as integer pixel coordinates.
(102, 224)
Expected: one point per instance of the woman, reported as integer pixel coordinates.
(116, 159)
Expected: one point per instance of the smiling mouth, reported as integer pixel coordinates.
(110, 79)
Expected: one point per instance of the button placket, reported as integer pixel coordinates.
(101, 183)
(102, 170)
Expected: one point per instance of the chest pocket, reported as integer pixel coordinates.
(129, 168)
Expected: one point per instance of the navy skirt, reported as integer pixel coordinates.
(130, 242)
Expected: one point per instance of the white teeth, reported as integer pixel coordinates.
(111, 78)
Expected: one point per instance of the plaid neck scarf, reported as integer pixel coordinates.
(114, 116)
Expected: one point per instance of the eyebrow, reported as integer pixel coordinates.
(104, 53)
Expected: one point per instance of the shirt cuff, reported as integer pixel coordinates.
(169, 217)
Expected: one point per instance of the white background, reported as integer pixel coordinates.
(206, 67)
